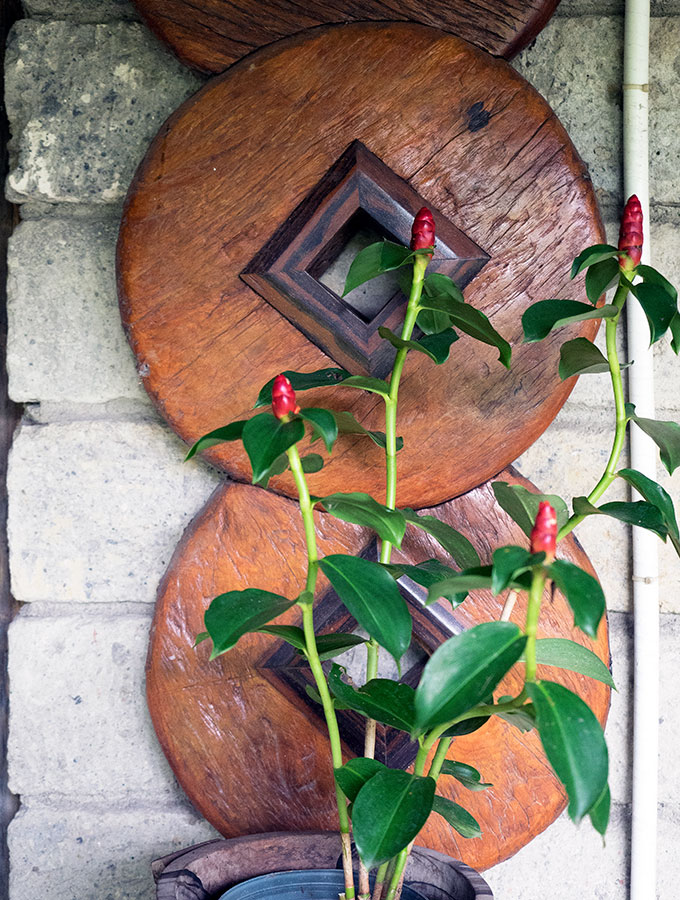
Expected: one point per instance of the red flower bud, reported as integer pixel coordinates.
(422, 232)
(630, 235)
(544, 533)
(283, 397)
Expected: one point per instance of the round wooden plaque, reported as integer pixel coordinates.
(244, 740)
(438, 122)
(210, 35)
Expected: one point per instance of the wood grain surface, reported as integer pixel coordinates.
(210, 35)
(253, 759)
(230, 165)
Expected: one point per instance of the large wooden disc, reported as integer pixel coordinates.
(251, 754)
(210, 35)
(467, 133)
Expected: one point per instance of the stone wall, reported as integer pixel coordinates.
(99, 496)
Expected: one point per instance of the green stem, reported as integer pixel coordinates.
(531, 626)
(380, 881)
(439, 757)
(609, 473)
(307, 511)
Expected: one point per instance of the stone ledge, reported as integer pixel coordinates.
(82, 10)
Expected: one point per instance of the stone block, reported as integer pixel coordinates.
(65, 338)
(82, 10)
(79, 724)
(85, 853)
(97, 509)
(84, 102)
(613, 7)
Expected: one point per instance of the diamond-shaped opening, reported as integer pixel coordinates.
(332, 264)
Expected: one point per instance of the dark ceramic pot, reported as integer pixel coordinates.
(305, 884)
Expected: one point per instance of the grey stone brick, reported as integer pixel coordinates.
(97, 509)
(613, 7)
(85, 853)
(79, 723)
(82, 10)
(84, 101)
(65, 338)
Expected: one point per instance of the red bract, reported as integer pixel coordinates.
(544, 533)
(630, 235)
(283, 397)
(422, 232)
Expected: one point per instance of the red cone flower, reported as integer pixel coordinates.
(544, 533)
(283, 397)
(630, 235)
(422, 232)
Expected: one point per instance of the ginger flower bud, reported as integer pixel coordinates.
(544, 533)
(283, 397)
(630, 235)
(422, 232)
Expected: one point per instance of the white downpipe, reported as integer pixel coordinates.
(644, 459)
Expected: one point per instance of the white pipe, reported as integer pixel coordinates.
(644, 459)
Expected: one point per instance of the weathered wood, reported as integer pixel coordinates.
(210, 35)
(255, 759)
(231, 165)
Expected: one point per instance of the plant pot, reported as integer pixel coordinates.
(206, 871)
(305, 884)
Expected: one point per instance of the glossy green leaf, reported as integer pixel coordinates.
(467, 775)
(389, 811)
(639, 513)
(658, 306)
(522, 505)
(665, 434)
(265, 438)
(599, 814)
(546, 315)
(236, 613)
(436, 346)
(347, 424)
(455, 543)
(202, 636)
(311, 463)
(433, 321)
(508, 563)
(365, 383)
(456, 586)
(382, 699)
(573, 742)
(371, 595)
(654, 493)
(441, 294)
(458, 818)
(425, 573)
(291, 634)
(523, 718)
(565, 654)
(323, 425)
(581, 357)
(463, 670)
(383, 256)
(466, 726)
(362, 509)
(583, 593)
(354, 774)
(675, 333)
(651, 276)
(331, 645)
(278, 467)
(592, 255)
(231, 432)
(600, 277)
(304, 381)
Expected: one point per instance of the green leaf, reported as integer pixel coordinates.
(323, 425)
(508, 563)
(457, 817)
(522, 505)
(600, 277)
(436, 346)
(389, 811)
(640, 513)
(441, 294)
(371, 595)
(546, 315)
(347, 424)
(467, 775)
(265, 438)
(354, 774)
(231, 432)
(657, 305)
(573, 742)
(591, 256)
(665, 434)
(583, 594)
(455, 543)
(312, 463)
(523, 718)
(463, 670)
(675, 333)
(331, 645)
(651, 276)
(433, 321)
(364, 383)
(599, 814)
(202, 636)
(466, 726)
(362, 509)
(382, 699)
(304, 381)
(456, 587)
(565, 654)
(383, 256)
(425, 573)
(291, 634)
(277, 468)
(654, 493)
(581, 357)
(235, 613)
